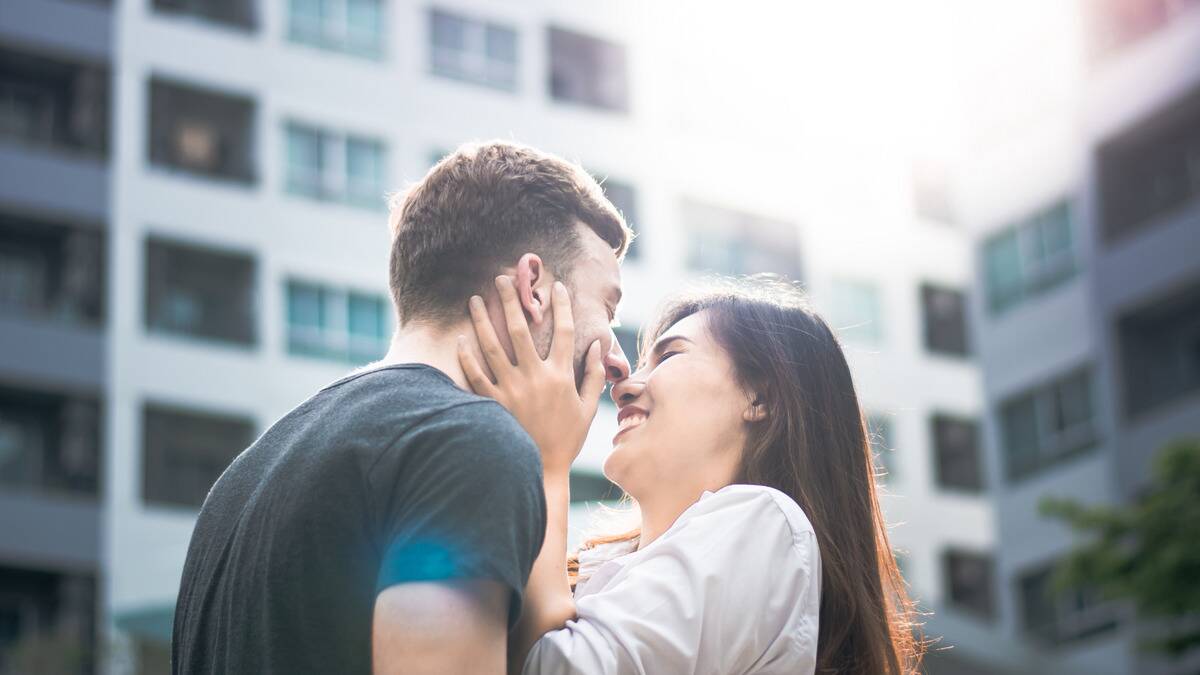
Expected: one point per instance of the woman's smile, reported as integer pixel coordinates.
(629, 417)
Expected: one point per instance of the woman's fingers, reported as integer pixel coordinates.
(478, 380)
(562, 349)
(489, 344)
(518, 327)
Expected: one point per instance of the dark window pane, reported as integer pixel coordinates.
(51, 271)
(1160, 351)
(1052, 616)
(49, 614)
(945, 314)
(1151, 169)
(1020, 430)
(53, 102)
(233, 13)
(201, 131)
(967, 581)
(49, 442)
(1048, 424)
(956, 444)
(184, 452)
(200, 292)
(588, 71)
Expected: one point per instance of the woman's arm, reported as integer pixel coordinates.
(541, 394)
(549, 603)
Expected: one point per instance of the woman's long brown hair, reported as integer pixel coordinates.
(813, 447)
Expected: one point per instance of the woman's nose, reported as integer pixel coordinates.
(625, 391)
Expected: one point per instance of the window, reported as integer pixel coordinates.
(855, 311)
(588, 71)
(588, 486)
(1159, 345)
(49, 442)
(326, 165)
(945, 314)
(967, 582)
(1029, 258)
(1150, 170)
(956, 445)
(732, 242)
(201, 132)
(184, 452)
(1054, 617)
(624, 197)
(200, 292)
(473, 51)
(1115, 24)
(54, 103)
(233, 13)
(879, 435)
(51, 614)
(351, 26)
(336, 324)
(1048, 424)
(51, 271)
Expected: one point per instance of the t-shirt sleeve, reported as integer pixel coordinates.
(460, 496)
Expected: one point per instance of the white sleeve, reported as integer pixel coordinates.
(734, 585)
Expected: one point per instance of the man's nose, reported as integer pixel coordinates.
(616, 366)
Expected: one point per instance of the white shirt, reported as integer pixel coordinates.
(732, 588)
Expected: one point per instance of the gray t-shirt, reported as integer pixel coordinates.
(387, 476)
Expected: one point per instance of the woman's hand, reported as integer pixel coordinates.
(539, 392)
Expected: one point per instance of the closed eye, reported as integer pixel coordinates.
(666, 355)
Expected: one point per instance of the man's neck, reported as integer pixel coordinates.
(433, 346)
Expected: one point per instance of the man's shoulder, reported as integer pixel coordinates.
(416, 406)
(480, 427)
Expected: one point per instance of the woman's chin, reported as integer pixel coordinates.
(615, 467)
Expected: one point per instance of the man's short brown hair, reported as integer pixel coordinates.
(480, 209)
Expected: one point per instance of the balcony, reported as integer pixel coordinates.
(52, 292)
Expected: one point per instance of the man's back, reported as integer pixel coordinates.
(389, 476)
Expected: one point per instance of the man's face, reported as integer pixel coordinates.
(595, 285)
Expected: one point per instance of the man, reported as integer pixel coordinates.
(388, 524)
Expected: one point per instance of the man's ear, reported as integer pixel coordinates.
(756, 411)
(531, 278)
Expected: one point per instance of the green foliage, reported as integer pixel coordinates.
(1147, 552)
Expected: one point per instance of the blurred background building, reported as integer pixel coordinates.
(193, 240)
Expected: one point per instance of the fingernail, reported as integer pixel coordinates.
(476, 301)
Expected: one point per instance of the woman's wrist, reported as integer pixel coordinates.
(557, 476)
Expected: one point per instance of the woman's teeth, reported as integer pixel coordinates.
(632, 421)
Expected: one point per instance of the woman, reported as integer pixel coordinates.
(761, 548)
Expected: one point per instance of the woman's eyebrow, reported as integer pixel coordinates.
(664, 341)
